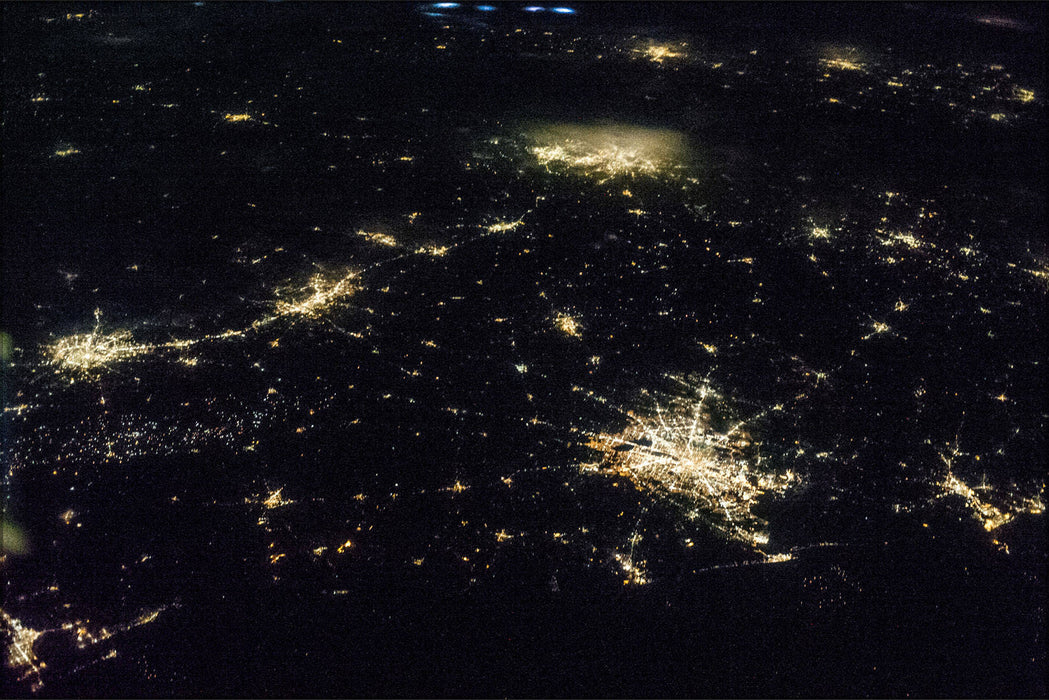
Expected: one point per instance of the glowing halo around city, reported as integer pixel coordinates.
(607, 151)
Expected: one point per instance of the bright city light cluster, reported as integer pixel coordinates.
(608, 151)
(991, 516)
(568, 324)
(20, 640)
(843, 58)
(433, 250)
(672, 450)
(843, 64)
(319, 296)
(87, 352)
(379, 238)
(20, 655)
(502, 226)
(1023, 95)
(658, 52)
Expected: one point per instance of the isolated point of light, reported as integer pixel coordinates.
(563, 10)
(485, 8)
(534, 8)
(446, 5)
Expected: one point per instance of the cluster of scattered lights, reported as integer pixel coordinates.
(1023, 95)
(906, 239)
(503, 226)
(989, 515)
(671, 450)
(88, 353)
(633, 571)
(321, 295)
(611, 159)
(379, 238)
(22, 659)
(820, 233)
(658, 53)
(568, 324)
(70, 17)
(880, 327)
(843, 64)
(433, 250)
(274, 499)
